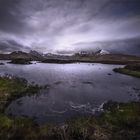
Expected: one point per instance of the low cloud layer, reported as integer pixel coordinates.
(68, 25)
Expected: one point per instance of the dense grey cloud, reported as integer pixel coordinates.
(125, 46)
(10, 46)
(68, 25)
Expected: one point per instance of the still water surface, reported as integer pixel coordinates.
(74, 89)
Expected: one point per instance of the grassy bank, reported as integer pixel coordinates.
(118, 122)
(12, 87)
(132, 70)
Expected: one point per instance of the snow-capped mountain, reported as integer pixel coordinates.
(102, 52)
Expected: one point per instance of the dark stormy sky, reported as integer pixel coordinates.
(70, 25)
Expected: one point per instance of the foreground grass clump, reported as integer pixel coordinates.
(25, 129)
(118, 122)
(20, 61)
(133, 70)
(12, 87)
(17, 128)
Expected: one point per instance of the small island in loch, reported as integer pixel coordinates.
(20, 61)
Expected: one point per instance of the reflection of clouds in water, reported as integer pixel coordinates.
(80, 107)
(71, 106)
(86, 108)
(58, 112)
(62, 100)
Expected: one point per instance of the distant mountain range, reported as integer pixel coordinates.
(100, 56)
(32, 55)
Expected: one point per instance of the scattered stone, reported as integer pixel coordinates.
(1, 63)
